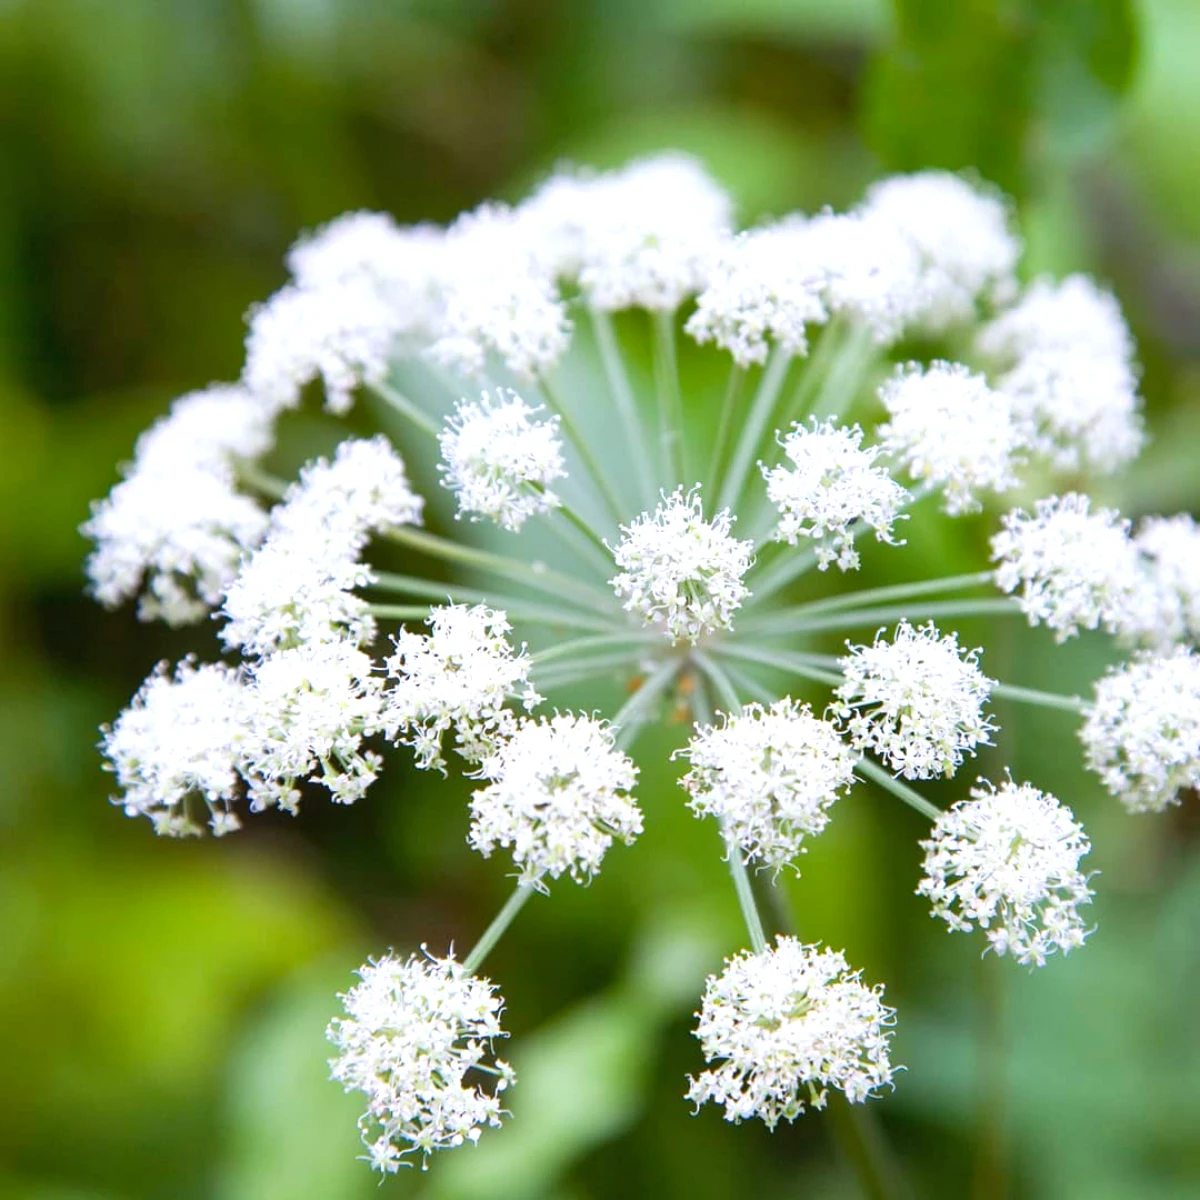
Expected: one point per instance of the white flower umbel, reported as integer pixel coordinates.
(309, 709)
(1142, 732)
(769, 776)
(916, 701)
(961, 237)
(1076, 569)
(298, 587)
(417, 1041)
(458, 676)
(498, 461)
(949, 427)
(176, 528)
(786, 1025)
(342, 333)
(558, 795)
(1071, 373)
(1007, 861)
(759, 293)
(179, 739)
(679, 570)
(832, 484)
(1167, 609)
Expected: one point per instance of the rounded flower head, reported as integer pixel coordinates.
(789, 1023)
(180, 739)
(759, 291)
(1007, 861)
(1076, 569)
(769, 776)
(916, 701)
(1167, 607)
(458, 676)
(498, 461)
(413, 1033)
(1142, 732)
(949, 428)
(558, 794)
(832, 484)
(681, 571)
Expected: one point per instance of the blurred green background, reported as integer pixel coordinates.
(162, 1005)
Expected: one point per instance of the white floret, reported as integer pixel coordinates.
(1076, 569)
(916, 701)
(832, 485)
(680, 571)
(456, 677)
(416, 1039)
(499, 461)
(558, 795)
(1167, 607)
(786, 1025)
(949, 428)
(759, 293)
(1007, 861)
(769, 776)
(1142, 732)
(179, 741)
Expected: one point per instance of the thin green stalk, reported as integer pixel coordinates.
(733, 392)
(845, 378)
(748, 684)
(858, 1134)
(784, 623)
(495, 931)
(406, 408)
(752, 431)
(910, 796)
(600, 642)
(599, 552)
(1008, 691)
(517, 608)
(799, 664)
(563, 674)
(623, 400)
(634, 713)
(720, 680)
(583, 449)
(670, 403)
(534, 575)
(897, 591)
(251, 475)
(399, 612)
(815, 368)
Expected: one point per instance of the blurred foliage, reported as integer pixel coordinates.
(164, 1005)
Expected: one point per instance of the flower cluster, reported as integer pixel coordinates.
(1007, 861)
(769, 776)
(916, 701)
(416, 1036)
(437, 321)
(786, 1025)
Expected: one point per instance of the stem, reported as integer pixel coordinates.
(535, 575)
(842, 384)
(1008, 691)
(590, 462)
(623, 398)
(784, 622)
(814, 372)
(495, 931)
(898, 591)
(749, 684)
(594, 540)
(406, 408)
(910, 796)
(399, 612)
(263, 482)
(733, 391)
(517, 608)
(862, 1142)
(800, 664)
(566, 649)
(720, 681)
(670, 404)
(633, 713)
(564, 674)
(756, 421)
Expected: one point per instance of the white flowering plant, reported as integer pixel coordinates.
(703, 559)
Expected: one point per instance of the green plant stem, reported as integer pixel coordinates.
(785, 622)
(897, 591)
(634, 713)
(720, 680)
(623, 399)
(251, 475)
(733, 391)
(756, 422)
(517, 608)
(495, 931)
(602, 641)
(670, 403)
(584, 450)
(862, 1141)
(536, 576)
(854, 358)
(567, 673)
(748, 684)
(910, 796)
(406, 408)
(399, 612)
(604, 557)
(1008, 691)
(794, 661)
